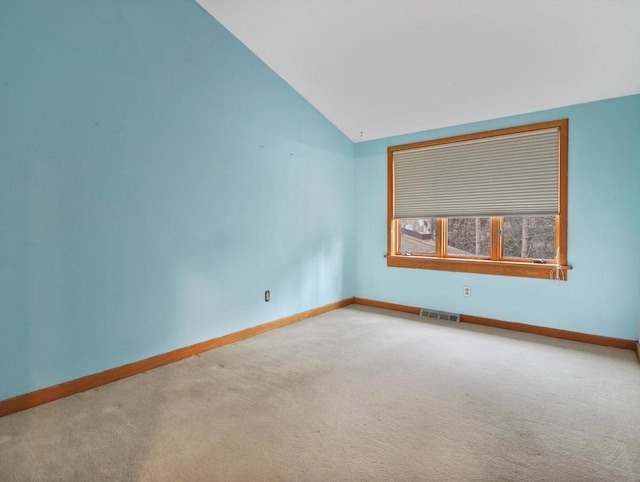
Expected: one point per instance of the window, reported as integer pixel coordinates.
(492, 202)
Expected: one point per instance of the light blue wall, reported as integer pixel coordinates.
(601, 296)
(155, 179)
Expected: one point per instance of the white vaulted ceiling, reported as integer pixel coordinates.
(378, 68)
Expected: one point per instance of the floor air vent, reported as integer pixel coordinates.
(439, 315)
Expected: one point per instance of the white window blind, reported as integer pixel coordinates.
(516, 174)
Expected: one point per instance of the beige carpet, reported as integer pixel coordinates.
(355, 394)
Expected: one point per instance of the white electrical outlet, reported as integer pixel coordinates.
(467, 290)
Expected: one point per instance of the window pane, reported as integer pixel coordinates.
(468, 237)
(529, 237)
(418, 236)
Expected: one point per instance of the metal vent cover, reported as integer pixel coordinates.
(439, 315)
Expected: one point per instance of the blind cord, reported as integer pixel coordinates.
(557, 273)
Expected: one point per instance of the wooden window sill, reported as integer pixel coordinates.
(479, 266)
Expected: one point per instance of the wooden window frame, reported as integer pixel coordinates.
(496, 264)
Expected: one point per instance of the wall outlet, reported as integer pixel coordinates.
(467, 290)
(267, 295)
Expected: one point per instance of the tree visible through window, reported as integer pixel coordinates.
(468, 237)
(529, 237)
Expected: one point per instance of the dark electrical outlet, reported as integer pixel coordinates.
(267, 295)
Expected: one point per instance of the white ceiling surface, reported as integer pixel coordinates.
(378, 68)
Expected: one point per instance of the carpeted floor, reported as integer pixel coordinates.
(355, 394)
